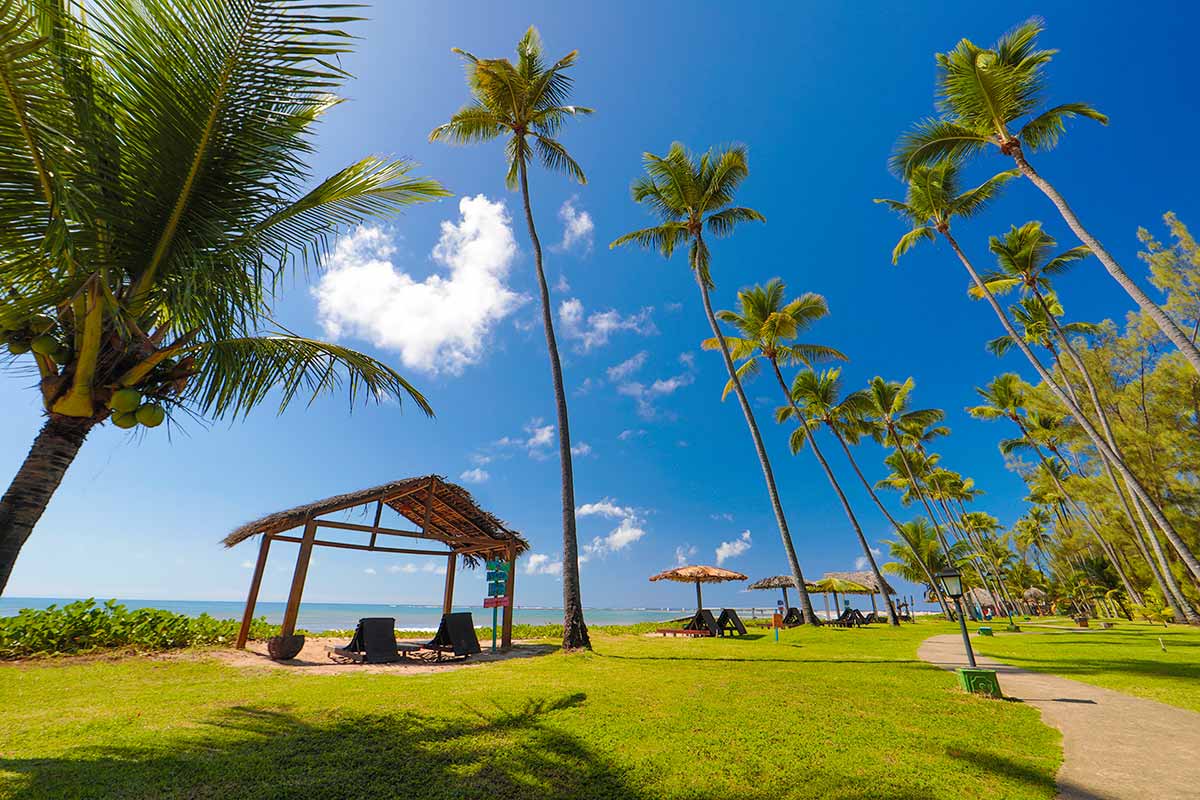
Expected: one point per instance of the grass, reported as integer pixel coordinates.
(828, 713)
(1127, 658)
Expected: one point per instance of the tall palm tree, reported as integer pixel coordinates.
(931, 202)
(769, 327)
(1030, 534)
(691, 194)
(815, 400)
(154, 158)
(1024, 261)
(526, 103)
(993, 97)
(918, 555)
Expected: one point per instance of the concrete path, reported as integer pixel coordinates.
(1115, 747)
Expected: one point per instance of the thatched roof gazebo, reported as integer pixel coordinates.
(783, 582)
(863, 577)
(443, 514)
(698, 574)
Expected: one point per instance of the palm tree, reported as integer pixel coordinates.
(931, 202)
(768, 328)
(1024, 261)
(987, 93)
(526, 102)
(815, 400)
(691, 194)
(154, 160)
(1029, 533)
(918, 556)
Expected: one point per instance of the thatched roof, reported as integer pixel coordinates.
(454, 517)
(699, 574)
(775, 582)
(863, 577)
(980, 596)
(1033, 594)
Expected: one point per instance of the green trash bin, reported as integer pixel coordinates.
(985, 630)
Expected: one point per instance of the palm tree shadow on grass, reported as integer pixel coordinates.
(975, 760)
(500, 752)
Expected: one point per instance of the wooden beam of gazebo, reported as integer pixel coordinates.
(443, 512)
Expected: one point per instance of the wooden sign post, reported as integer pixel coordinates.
(497, 578)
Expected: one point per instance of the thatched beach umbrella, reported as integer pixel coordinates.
(867, 579)
(783, 582)
(698, 575)
(832, 583)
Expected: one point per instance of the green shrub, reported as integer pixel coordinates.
(84, 626)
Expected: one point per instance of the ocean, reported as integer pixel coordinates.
(344, 616)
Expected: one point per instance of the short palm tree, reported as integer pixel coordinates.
(767, 328)
(932, 201)
(526, 104)
(918, 555)
(814, 401)
(693, 194)
(155, 159)
(993, 97)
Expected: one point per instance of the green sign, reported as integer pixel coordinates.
(497, 577)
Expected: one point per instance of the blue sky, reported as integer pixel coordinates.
(818, 93)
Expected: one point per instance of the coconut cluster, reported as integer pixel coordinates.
(37, 335)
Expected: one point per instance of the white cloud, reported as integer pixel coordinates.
(477, 475)
(581, 449)
(435, 567)
(673, 307)
(578, 227)
(536, 442)
(370, 571)
(247, 565)
(628, 530)
(480, 459)
(862, 563)
(406, 567)
(596, 329)
(631, 433)
(628, 367)
(728, 550)
(725, 515)
(646, 394)
(683, 553)
(541, 564)
(587, 386)
(440, 323)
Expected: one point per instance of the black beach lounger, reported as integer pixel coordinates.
(793, 617)
(374, 642)
(729, 622)
(455, 634)
(704, 621)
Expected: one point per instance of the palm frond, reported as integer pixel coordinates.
(934, 140)
(1043, 131)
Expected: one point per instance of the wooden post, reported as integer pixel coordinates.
(448, 599)
(699, 598)
(375, 527)
(874, 608)
(506, 630)
(302, 559)
(252, 597)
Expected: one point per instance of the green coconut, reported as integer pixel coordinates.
(124, 419)
(61, 354)
(126, 400)
(151, 415)
(18, 348)
(44, 345)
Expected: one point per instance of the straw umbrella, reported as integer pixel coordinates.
(698, 574)
(831, 583)
(867, 579)
(777, 582)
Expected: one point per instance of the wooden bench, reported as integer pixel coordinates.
(682, 632)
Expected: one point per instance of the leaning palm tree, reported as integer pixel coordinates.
(814, 401)
(768, 328)
(155, 157)
(931, 202)
(526, 103)
(691, 194)
(993, 97)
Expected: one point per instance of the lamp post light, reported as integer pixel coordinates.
(951, 580)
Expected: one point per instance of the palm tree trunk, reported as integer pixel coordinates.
(22, 506)
(789, 549)
(896, 525)
(1164, 322)
(1106, 452)
(575, 633)
(837, 488)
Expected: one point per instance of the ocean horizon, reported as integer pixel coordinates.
(344, 616)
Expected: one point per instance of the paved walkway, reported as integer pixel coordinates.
(1115, 747)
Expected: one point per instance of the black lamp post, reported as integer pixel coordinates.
(951, 580)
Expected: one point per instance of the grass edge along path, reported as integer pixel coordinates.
(824, 712)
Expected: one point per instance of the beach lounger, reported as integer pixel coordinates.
(374, 642)
(704, 621)
(456, 635)
(850, 618)
(729, 622)
(793, 617)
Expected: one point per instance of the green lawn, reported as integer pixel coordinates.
(824, 713)
(1127, 658)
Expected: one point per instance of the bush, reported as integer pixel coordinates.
(84, 626)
